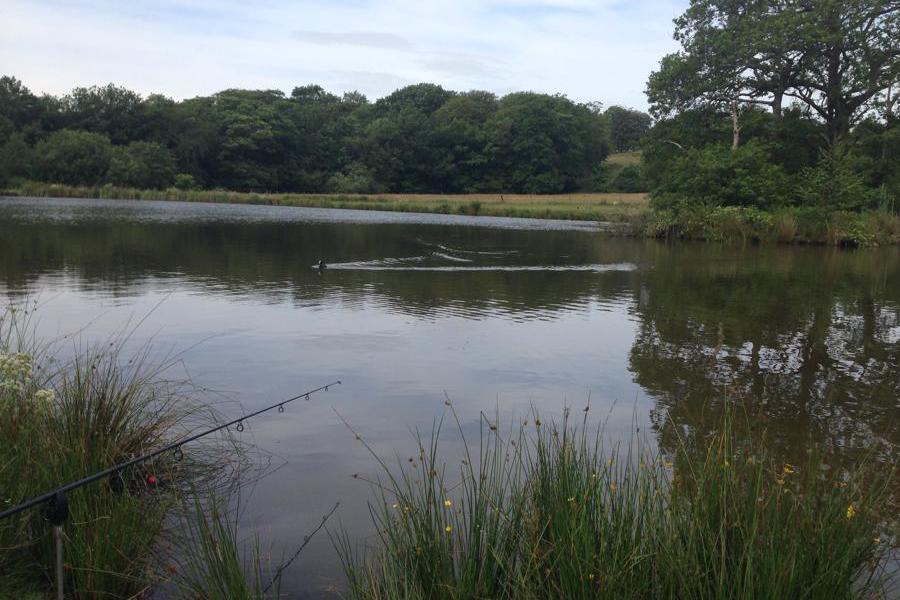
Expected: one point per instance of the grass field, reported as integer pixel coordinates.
(614, 208)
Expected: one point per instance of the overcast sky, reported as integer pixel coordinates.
(587, 49)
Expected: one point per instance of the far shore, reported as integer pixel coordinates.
(610, 207)
(628, 214)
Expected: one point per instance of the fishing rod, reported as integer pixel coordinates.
(57, 498)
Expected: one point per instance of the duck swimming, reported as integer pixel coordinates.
(321, 266)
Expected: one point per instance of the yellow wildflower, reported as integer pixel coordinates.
(591, 577)
(851, 511)
(669, 464)
(448, 528)
(448, 503)
(788, 469)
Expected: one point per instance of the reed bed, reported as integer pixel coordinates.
(546, 511)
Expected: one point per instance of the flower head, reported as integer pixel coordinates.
(448, 503)
(851, 511)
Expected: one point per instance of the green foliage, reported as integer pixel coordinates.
(110, 110)
(185, 182)
(717, 176)
(542, 144)
(74, 157)
(548, 512)
(16, 159)
(419, 139)
(835, 183)
(628, 180)
(145, 165)
(627, 127)
(357, 180)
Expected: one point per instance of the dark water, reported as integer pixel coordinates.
(495, 313)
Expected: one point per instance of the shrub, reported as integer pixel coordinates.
(716, 175)
(629, 180)
(836, 184)
(142, 165)
(185, 182)
(74, 157)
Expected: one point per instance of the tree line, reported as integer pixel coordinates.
(421, 138)
(778, 102)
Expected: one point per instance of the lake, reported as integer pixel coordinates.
(503, 316)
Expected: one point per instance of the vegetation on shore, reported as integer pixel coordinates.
(621, 214)
(542, 510)
(615, 208)
(63, 420)
(545, 511)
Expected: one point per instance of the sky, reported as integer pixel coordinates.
(589, 50)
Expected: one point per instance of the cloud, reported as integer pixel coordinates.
(587, 49)
(372, 39)
(466, 65)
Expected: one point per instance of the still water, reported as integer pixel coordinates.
(496, 314)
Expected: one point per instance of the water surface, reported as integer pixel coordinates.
(496, 314)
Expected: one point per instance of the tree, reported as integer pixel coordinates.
(399, 145)
(459, 125)
(111, 110)
(837, 57)
(853, 58)
(257, 142)
(145, 165)
(540, 144)
(74, 157)
(16, 158)
(626, 127)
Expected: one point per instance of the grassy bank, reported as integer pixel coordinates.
(546, 511)
(614, 208)
(628, 214)
(792, 225)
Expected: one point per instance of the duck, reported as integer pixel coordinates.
(321, 266)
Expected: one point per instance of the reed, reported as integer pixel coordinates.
(212, 560)
(63, 420)
(547, 512)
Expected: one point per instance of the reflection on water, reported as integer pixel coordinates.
(497, 313)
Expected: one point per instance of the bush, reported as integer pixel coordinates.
(836, 183)
(74, 157)
(358, 179)
(629, 180)
(185, 182)
(716, 175)
(142, 165)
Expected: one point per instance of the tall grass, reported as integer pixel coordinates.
(61, 421)
(212, 560)
(547, 512)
